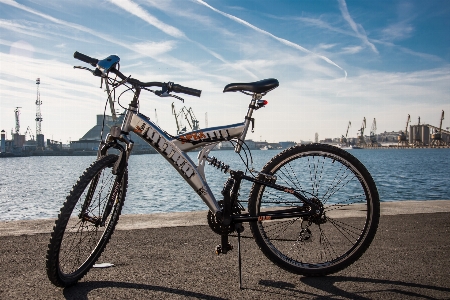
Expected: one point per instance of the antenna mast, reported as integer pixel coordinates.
(38, 109)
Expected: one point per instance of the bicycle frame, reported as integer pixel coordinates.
(174, 149)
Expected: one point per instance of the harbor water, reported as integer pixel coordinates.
(35, 187)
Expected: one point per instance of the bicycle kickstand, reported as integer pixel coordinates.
(239, 229)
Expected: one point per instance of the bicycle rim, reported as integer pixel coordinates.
(83, 227)
(324, 244)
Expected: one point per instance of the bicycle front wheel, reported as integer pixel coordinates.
(329, 241)
(86, 222)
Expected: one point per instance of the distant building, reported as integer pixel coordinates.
(288, 144)
(91, 139)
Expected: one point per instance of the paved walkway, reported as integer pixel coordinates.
(409, 259)
(130, 222)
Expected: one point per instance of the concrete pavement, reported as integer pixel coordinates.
(155, 258)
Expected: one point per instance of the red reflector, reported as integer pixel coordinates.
(265, 102)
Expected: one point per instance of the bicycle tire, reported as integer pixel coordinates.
(78, 237)
(323, 245)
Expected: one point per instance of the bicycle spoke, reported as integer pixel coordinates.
(342, 192)
(279, 227)
(350, 232)
(325, 241)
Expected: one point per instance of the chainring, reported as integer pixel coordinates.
(217, 226)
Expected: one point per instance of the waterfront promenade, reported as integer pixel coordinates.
(171, 256)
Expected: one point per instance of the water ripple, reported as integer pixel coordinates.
(35, 187)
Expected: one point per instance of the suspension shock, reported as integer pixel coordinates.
(218, 164)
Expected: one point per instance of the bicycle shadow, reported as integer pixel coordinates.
(329, 285)
(82, 289)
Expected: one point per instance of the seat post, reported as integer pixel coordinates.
(248, 120)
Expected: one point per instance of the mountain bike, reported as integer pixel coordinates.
(312, 209)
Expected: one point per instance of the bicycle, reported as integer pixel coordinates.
(313, 209)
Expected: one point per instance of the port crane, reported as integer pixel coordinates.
(344, 138)
(436, 137)
(29, 133)
(403, 136)
(16, 115)
(373, 134)
(188, 114)
(38, 109)
(361, 140)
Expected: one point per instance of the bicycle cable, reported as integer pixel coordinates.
(243, 143)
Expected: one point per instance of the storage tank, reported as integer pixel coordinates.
(412, 130)
(3, 142)
(426, 135)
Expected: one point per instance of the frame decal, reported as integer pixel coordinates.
(174, 150)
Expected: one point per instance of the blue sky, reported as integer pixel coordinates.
(336, 61)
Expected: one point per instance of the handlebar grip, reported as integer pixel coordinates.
(87, 59)
(185, 90)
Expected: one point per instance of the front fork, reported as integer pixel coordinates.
(111, 141)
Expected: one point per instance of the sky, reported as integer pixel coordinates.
(336, 61)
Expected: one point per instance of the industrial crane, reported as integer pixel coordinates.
(38, 109)
(403, 136)
(361, 140)
(373, 134)
(436, 137)
(29, 132)
(16, 115)
(194, 124)
(344, 138)
(188, 114)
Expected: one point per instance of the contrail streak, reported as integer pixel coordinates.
(283, 41)
(138, 11)
(359, 30)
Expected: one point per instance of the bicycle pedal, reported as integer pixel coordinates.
(220, 250)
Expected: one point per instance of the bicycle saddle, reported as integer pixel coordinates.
(262, 86)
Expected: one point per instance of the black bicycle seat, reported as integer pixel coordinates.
(262, 86)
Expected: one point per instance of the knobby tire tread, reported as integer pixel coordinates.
(52, 258)
(283, 156)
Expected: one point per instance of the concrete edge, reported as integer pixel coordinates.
(176, 219)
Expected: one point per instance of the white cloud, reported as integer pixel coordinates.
(398, 31)
(352, 50)
(153, 49)
(20, 28)
(326, 46)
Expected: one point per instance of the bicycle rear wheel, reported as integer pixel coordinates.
(86, 222)
(325, 243)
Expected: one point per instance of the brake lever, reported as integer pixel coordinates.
(179, 98)
(95, 72)
(162, 93)
(83, 68)
(166, 94)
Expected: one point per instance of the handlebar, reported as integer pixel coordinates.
(171, 87)
(186, 90)
(87, 59)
